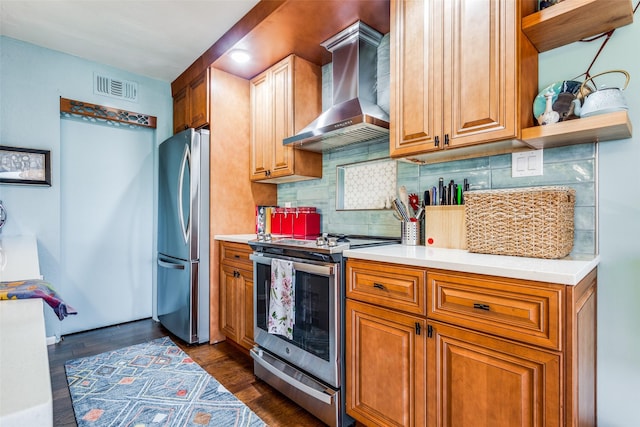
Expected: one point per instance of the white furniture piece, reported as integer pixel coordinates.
(25, 382)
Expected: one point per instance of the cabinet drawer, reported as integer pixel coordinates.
(389, 285)
(525, 311)
(236, 254)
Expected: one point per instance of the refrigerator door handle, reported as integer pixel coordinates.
(186, 159)
(168, 264)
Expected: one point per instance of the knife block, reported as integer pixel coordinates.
(445, 227)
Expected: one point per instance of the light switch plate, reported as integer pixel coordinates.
(526, 163)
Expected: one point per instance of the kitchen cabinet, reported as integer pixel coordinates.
(495, 351)
(479, 380)
(191, 104)
(236, 293)
(462, 74)
(510, 352)
(284, 99)
(385, 344)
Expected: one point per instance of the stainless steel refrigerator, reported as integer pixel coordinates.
(183, 235)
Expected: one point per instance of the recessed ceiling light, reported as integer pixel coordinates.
(240, 55)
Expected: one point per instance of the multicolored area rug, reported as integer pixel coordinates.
(151, 384)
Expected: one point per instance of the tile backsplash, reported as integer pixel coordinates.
(573, 166)
(367, 185)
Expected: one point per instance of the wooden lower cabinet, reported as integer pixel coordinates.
(386, 365)
(477, 380)
(488, 350)
(236, 294)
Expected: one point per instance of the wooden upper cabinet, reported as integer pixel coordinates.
(284, 99)
(462, 74)
(191, 104)
(199, 100)
(261, 126)
(180, 111)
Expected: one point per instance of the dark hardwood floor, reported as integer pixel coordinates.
(227, 363)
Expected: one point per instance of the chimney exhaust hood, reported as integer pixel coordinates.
(355, 115)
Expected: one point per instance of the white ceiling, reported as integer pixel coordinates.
(153, 38)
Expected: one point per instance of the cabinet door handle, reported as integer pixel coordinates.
(418, 328)
(446, 139)
(481, 306)
(436, 141)
(379, 286)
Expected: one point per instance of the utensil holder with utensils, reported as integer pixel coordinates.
(410, 233)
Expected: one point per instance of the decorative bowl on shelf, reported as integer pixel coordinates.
(563, 93)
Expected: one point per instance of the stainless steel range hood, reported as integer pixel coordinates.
(355, 115)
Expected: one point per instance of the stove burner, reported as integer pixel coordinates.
(331, 240)
(325, 244)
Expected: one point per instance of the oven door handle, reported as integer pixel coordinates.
(321, 270)
(316, 394)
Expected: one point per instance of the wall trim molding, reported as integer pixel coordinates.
(95, 112)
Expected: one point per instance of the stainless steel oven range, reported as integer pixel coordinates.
(308, 367)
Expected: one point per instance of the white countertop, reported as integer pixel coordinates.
(236, 238)
(18, 258)
(566, 271)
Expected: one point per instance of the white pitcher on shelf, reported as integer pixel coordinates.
(549, 116)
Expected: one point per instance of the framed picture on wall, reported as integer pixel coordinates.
(24, 166)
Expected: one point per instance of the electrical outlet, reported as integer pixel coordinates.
(526, 163)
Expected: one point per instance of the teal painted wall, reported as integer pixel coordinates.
(32, 80)
(607, 218)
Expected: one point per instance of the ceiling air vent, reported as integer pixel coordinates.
(122, 89)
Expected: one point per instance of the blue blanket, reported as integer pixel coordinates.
(22, 289)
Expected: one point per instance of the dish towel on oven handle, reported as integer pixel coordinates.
(282, 306)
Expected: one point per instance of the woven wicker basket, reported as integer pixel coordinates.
(531, 222)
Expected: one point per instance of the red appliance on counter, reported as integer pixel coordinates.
(306, 222)
(302, 222)
(276, 220)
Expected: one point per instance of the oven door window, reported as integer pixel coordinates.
(313, 307)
